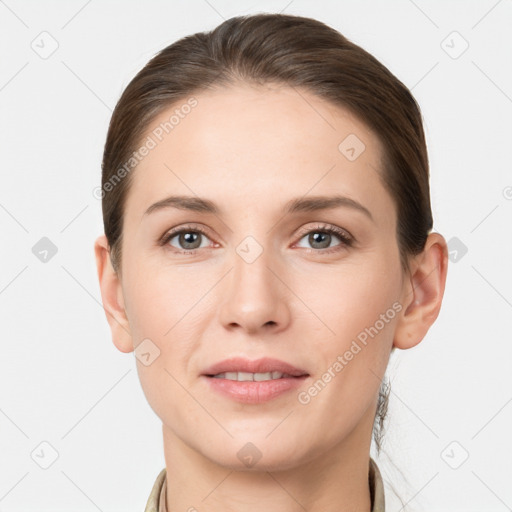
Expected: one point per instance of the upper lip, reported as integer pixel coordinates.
(263, 365)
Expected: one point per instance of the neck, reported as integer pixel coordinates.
(335, 481)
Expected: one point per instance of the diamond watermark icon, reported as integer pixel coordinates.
(249, 249)
(454, 45)
(455, 455)
(351, 147)
(146, 352)
(457, 249)
(44, 250)
(45, 45)
(44, 455)
(249, 455)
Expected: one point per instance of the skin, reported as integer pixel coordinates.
(251, 149)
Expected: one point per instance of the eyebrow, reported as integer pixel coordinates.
(301, 204)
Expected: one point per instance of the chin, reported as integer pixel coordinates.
(263, 453)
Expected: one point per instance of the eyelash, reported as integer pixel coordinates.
(345, 238)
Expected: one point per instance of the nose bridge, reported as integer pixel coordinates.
(251, 264)
(254, 296)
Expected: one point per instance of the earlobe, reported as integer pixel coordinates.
(112, 297)
(423, 293)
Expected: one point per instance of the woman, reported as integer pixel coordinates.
(267, 245)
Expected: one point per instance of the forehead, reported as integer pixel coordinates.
(274, 113)
(262, 139)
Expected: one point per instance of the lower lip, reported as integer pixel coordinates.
(251, 392)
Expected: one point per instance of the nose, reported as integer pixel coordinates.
(255, 300)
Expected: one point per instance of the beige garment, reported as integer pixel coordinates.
(157, 499)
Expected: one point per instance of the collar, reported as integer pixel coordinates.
(157, 498)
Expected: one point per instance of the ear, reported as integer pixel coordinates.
(112, 297)
(422, 293)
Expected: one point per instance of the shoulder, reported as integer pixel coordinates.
(153, 502)
(376, 488)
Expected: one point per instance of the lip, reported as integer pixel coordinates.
(254, 392)
(263, 365)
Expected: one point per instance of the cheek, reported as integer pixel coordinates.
(349, 300)
(160, 301)
(358, 309)
(164, 306)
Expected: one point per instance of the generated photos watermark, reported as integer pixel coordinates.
(150, 143)
(305, 397)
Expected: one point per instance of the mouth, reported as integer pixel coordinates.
(255, 377)
(241, 369)
(254, 382)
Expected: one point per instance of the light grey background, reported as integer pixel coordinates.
(63, 382)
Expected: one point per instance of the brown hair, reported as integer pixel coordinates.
(291, 50)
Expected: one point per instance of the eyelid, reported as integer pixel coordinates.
(322, 226)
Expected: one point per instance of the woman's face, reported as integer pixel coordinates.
(256, 274)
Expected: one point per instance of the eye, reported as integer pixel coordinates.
(321, 237)
(187, 239)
